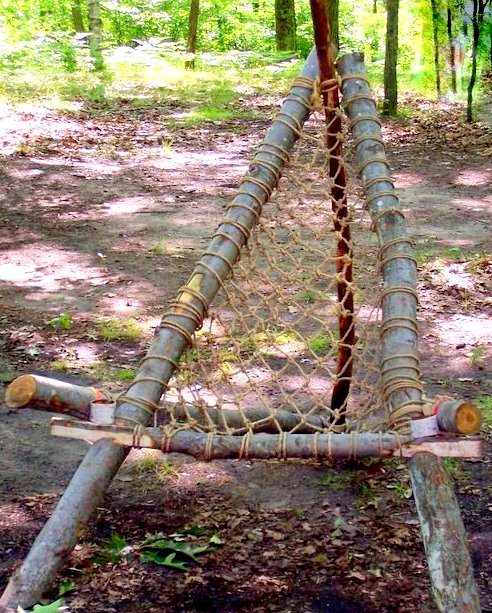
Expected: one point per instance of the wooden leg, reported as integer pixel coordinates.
(445, 542)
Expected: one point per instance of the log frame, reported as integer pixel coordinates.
(90, 481)
(266, 446)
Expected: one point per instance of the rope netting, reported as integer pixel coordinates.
(288, 323)
(271, 341)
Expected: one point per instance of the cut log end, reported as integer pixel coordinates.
(20, 392)
(459, 416)
(468, 419)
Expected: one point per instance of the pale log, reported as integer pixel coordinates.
(52, 395)
(400, 363)
(43, 393)
(444, 536)
(400, 374)
(263, 446)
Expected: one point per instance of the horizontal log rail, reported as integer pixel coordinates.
(208, 446)
(44, 393)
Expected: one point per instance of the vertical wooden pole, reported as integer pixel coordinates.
(329, 90)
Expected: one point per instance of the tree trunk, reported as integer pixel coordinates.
(391, 58)
(473, 74)
(95, 34)
(435, 33)
(332, 11)
(192, 34)
(452, 52)
(285, 25)
(78, 21)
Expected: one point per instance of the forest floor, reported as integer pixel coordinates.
(103, 214)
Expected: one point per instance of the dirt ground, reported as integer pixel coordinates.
(104, 213)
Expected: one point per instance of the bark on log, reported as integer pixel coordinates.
(103, 459)
(52, 395)
(444, 536)
(400, 363)
(263, 446)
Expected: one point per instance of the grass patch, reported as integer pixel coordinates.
(125, 374)
(477, 355)
(60, 365)
(454, 468)
(484, 403)
(118, 330)
(424, 254)
(336, 480)
(215, 91)
(308, 296)
(63, 321)
(321, 345)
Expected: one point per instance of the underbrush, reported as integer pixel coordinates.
(146, 76)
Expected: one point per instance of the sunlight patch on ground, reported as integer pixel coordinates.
(475, 204)
(127, 205)
(13, 515)
(459, 328)
(407, 179)
(112, 303)
(49, 268)
(208, 158)
(473, 177)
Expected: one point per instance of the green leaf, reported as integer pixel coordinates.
(216, 540)
(158, 558)
(66, 586)
(181, 548)
(195, 530)
(53, 607)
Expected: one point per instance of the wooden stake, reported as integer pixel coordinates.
(341, 224)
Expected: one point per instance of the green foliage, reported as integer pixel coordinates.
(321, 345)
(484, 403)
(174, 551)
(53, 607)
(125, 374)
(112, 550)
(63, 321)
(118, 330)
(477, 355)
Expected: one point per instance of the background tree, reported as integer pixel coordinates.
(192, 34)
(390, 102)
(332, 9)
(285, 25)
(436, 18)
(78, 20)
(477, 21)
(95, 34)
